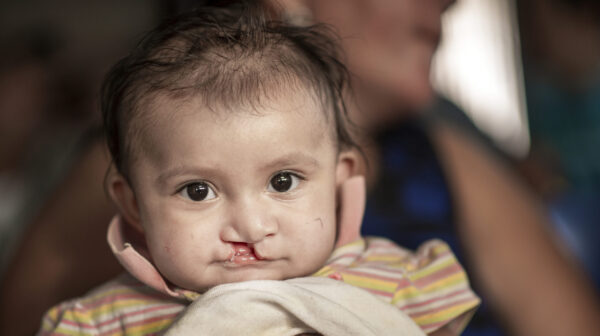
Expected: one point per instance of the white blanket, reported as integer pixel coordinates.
(292, 307)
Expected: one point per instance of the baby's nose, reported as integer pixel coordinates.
(250, 223)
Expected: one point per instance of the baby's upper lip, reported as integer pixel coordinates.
(245, 249)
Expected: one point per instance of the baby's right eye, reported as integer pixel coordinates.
(197, 191)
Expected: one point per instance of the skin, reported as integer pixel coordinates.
(280, 234)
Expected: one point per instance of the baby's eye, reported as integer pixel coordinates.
(283, 182)
(197, 191)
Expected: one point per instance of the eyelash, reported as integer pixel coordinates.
(293, 174)
(212, 189)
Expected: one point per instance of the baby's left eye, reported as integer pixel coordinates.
(197, 192)
(283, 182)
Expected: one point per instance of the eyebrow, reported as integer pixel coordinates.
(289, 159)
(183, 170)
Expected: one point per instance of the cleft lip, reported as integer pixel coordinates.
(241, 249)
(258, 255)
(244, 254)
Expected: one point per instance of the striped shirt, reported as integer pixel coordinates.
(429, 285)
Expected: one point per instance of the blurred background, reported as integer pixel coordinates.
(52, 60)
(526, 72)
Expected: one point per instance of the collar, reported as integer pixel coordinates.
(134, 256)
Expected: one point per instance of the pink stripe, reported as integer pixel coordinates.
(378, 292)
(76, 324)
(403, 258)
(383, 243)
(442, 273)
(146, 321)
(423, 303)
(114, 298)
(427, 327)
(431, 256)
(130, 314)
(346, 255)
(386, 268)
(440, 308)
(370, 276)
(138, 312)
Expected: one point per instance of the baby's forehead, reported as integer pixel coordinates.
(165, 111)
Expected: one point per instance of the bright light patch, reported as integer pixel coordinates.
(478, 66)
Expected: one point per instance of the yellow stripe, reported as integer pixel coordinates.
(430, 269)
(142, 329)
(444, 283)
(323, 272)
(449, 313)
(356, 246)
(152, 327)
(52, 314)
(406, 294)
(370, 283)
(387, 258)
(108, 309)
(111, 307)
(64, 331)
(77, 317)
(440, 248)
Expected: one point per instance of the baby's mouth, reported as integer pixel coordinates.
(243, 254)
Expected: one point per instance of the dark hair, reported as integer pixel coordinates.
(227, 56)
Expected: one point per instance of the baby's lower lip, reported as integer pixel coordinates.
(243, 260)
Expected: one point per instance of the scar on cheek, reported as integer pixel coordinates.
(167, 249)
(318, 219)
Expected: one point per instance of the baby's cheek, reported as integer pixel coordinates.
(166, 246)
(319, 235)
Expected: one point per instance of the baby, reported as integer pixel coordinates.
(230, 145)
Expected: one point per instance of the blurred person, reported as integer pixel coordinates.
(38, 125)
(24, 100)
(64, 158)
(561, 48)
(433, 174)
(501, 227)
(43, 110)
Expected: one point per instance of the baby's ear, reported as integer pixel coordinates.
(346, 167)
(124, 198)
(350, 198)
(351, 208)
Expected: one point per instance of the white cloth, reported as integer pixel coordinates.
(292, 307)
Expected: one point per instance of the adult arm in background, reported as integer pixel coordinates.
(534, 287)
(64, 252)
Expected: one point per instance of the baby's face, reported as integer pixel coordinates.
(232, 196)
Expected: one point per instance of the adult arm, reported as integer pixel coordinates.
(503, 228)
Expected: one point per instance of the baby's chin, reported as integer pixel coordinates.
(246, 274)
(240, 274)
